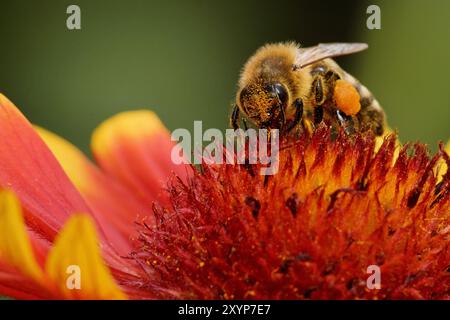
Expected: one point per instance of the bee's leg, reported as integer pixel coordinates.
(318, 90)
(244, 122)
(298, 104)
(346, 122)
(234, 121)
(318, 114)
(319, 96)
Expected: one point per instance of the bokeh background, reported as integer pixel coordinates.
(182, 58)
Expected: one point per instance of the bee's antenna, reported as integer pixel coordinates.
(234, 121)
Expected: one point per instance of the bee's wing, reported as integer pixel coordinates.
(306, 56)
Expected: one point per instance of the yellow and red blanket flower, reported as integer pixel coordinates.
(54, 199)
(336, 206)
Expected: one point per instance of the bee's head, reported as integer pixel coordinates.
(264, 103)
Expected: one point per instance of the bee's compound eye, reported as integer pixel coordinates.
(281, 92)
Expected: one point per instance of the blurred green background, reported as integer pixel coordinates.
(182, 58)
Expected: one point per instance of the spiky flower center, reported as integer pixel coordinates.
(335, 208)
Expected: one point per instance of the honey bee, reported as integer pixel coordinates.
(283, 86)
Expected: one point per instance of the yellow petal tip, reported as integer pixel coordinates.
(130, 124)
(75, 263)
(15, 245)
(68, 156)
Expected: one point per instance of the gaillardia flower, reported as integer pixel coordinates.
(140, 227)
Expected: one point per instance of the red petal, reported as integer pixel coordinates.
(15, 285)
(29, 168)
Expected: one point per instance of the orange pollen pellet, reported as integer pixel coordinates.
(346, 97)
